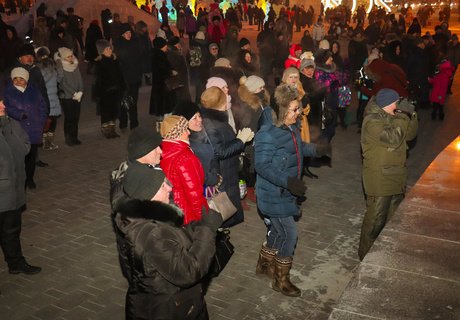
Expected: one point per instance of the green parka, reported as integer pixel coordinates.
(384, 140)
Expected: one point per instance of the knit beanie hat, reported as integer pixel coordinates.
(385, 97)
(101, 44)
(20, 73)
(200, 35)
(222, 62)
(142, 141)
(159, 42)
(243, 42)
(216, 82)
(186, 109)
(252, 83)
(324, 44)
(305, 63)
(173, 127)
(213, 45)
(213, 98)
(25, 50)
(65, 52)
(142, 181)
(125, 27)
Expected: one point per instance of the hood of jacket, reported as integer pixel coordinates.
(251, 99)
(446, 68)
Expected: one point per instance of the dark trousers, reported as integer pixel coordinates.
(133, 91)
(109, 107)
(360, 112)
(71, 110)
(30, 161)
(10, 230)
(378, 211)
(438, 109)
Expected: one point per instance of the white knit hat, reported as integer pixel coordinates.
(65, 52)
(253, 83)
(216, 82)
(20, 73)
(200, 35)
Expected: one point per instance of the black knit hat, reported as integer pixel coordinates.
(159, 42)
(142, 181)
(187, 109)
(243, 42)
(385, 97)
(125, 27)
(141, 141)
(25, 50)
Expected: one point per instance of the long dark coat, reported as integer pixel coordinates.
(160, 100)
(226, 150)
(93, 34)
(178, 63)
(129, 53)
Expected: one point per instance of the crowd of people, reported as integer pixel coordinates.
(228, 115)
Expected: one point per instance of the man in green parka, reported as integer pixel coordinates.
(388, 125)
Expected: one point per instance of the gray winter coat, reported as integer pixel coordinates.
(71, 81)
(50, 75)
(14, 146)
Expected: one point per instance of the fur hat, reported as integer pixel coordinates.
(186, 109)
(101, 44)
(216, 82)
(25, 50)
(385, 97)
(200, 35)
(142, 181)
(125, 27)
(42, 52)
(159, 42)
(213, 98)
(172, 127)
(65, 52)
(20, 73)
(223, 62)
(284, 94)
(141, 141)
(252, 83)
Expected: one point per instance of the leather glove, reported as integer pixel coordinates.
(245, 135)
(296, 186)
(212, 219)
(324, 150)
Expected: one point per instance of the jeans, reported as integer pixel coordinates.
(379, 211)
(282, 235)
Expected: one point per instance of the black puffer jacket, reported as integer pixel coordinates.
(227, 148)
(163, 261)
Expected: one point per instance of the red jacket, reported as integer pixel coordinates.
(386, 75)
(183, 169)
(292, 60)
(440, 82)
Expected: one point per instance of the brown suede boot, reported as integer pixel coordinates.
(265, 265)
(281, 280)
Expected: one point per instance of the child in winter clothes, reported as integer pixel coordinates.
(440, 82)
(70, 93)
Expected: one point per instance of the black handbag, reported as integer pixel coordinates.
(224, 251)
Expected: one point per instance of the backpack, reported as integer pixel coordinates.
(195, 56)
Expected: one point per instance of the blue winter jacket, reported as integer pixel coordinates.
(279, 154)
(29, 108)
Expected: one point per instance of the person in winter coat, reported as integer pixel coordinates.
(230, 46)
(160, 102)
(453, 54)
(183, 168)
(318, 32)
(179, 64)
(163, 261)
(190, 26)
(25, 104)
(71, 93)
(415, 28)
(222, 84)
(307, 42)
(50, 74)
(387, 127)
(357, 52)
(14, 146)
(418, 70)
(128, 52)
(279, 153)
(9, 47)
(93, 33)
(41, 33)
(108, 88)
(440, 85)
(247, 64)
(141, 32)
(293, 59)
(226, 144)
(180, 22)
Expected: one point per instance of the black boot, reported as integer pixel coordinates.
(24, 267)
(308, 173)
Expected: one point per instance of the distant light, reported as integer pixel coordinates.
(110, 21)
(457, 145)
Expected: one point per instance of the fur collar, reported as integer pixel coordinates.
(251, 99)
(150, 210)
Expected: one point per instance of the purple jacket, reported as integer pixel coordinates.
(29, 108)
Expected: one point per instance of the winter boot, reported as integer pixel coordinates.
(265, 265)
(113, 130)
(51, 144)
(45, 141)
(281, 279)
(107, 130)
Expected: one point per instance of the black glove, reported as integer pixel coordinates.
(296, 186)
(405, 107)
(324, 150)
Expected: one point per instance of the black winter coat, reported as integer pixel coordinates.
(226, 150)
(128, 53)
(160, 101)
(93, 34)
(178, 63)
(202, 148)
(163, 261)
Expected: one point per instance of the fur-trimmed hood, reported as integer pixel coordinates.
(284, 94)
(149, 210)
(251, 99)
